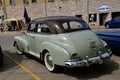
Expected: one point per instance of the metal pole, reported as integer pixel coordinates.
(4, 8)
(88, 11)
(45, 8)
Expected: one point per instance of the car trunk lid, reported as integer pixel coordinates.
(86, 43)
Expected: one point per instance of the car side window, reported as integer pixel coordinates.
(32, 27)
(39, 28)
(72, 25)
(45, 28)
(65, 25)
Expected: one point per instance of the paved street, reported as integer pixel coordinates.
(20, 67)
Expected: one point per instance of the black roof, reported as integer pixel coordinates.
(53, 18)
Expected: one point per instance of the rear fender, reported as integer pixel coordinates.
(59, 54)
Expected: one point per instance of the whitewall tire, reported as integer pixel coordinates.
(49, 63)
(17, 49)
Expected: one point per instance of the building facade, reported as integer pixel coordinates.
(95, 12)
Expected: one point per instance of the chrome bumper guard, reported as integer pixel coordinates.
(98, 59)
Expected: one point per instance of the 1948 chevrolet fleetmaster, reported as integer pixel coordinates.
(62, 41)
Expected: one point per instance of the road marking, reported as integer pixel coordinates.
(23, 67)
(116, 61)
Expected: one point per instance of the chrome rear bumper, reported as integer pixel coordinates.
(78, 63)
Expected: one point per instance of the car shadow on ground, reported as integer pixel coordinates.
(117, 53)
(93, 71)
(85, 73)
(8, 64)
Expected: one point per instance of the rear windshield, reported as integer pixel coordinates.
(74, 26)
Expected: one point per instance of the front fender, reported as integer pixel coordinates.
(22, 43)
(59, 54)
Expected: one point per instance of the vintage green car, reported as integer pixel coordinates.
(62, 41)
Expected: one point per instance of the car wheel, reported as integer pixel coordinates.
(17, 49)
(1, 57)
(107, 26)
(48, 59)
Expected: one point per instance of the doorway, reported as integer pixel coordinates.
(102, 18)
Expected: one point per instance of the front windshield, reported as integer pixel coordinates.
(117, 18)
(75, 26)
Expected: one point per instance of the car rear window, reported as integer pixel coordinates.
(74, 26)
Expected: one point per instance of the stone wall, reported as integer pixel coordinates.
(62, 8)
(69, 7)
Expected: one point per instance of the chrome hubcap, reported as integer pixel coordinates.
(50, 61)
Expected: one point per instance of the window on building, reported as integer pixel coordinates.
(64, 0)
(25, 2)
(92, 17)
(34, 1)
(0, 3)
(79, 16)
(12, 2)
(50, 0)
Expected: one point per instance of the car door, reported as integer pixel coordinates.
(43, 35)
(36, 35)
(30, 35)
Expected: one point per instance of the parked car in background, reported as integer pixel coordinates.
(13, 24)
(113, 23)
(112, 37)
(62, 41)
(1, 57)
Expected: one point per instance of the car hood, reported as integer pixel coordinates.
(85, 42)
